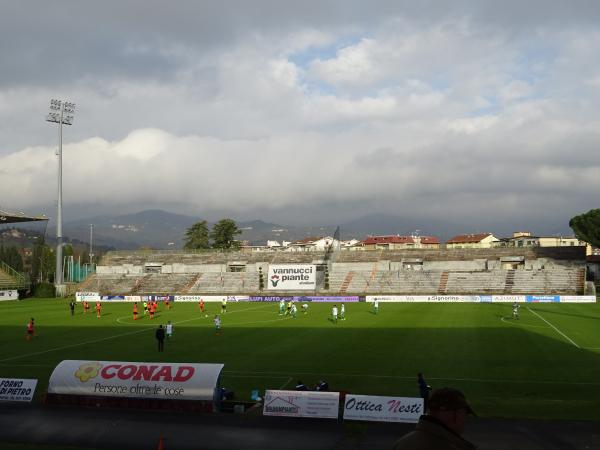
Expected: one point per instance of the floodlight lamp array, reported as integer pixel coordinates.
(61, 112)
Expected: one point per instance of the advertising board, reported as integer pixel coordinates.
(89, 296)
(324, 405)
(210, 298)
(149, 380)
(304, 298)
(383, 409)
(292, 277)
(17, 390)
(11, 294)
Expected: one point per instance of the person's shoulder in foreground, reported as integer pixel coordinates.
(443, 426)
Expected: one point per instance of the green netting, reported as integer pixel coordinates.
(76, 272)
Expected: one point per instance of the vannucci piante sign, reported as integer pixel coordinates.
(292, 277)
(176, 381)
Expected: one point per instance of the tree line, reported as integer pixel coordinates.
(222, 236)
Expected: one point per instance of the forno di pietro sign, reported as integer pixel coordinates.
(155, 380)
(292, 277)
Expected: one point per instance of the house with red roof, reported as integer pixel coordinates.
(475, 240)
(397, 242)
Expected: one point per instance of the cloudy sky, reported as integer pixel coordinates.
(314, 111)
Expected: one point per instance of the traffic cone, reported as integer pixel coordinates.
(161, 442)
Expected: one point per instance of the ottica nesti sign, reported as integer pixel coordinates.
(383, 409)
(292, 277)
(176, 381)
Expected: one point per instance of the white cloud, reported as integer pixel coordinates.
(379, 109)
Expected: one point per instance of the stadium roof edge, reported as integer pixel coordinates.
(9, 217)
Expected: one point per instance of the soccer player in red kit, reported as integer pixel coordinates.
(152, 308)
(30, 330)
(201, 305)
(135, 311)
(98, 309)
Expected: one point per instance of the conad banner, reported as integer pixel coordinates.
(89, 296)
(481, 298)
(383, 409)
(17, 390)
(323, 405)
(148, 380)
(292, 277)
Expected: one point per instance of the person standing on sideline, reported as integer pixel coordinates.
(160, 337)
(342, 312)
(72, 307)
(217, 325)
(376, 306)
(443, 426)
(135, 311)
(169, 330)
(30, 330)
(334, 314)
(424, 389)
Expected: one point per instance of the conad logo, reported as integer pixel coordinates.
(87, 371)
(147, 372)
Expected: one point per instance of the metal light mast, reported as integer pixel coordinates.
(61, 113)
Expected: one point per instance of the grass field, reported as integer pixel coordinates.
(544, 365)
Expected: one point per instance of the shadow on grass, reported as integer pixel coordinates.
(509, 368)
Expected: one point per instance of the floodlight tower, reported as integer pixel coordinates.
(61, 113)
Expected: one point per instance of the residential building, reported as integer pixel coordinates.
(476, 240)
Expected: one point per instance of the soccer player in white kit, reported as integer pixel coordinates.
(334, 313)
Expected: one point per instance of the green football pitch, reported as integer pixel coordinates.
(546, 364)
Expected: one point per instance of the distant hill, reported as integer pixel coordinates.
(160, 229)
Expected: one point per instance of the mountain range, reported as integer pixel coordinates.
(159, 229)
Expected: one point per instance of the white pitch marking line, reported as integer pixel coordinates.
(556, 329)
(519, 324)
(146, 327)
(400, 377)
(286, 383)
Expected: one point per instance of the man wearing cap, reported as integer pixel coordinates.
(443, 426)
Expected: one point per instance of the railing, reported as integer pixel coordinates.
(21, 280)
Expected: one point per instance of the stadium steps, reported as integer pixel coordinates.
(10, 278)
(581, 282)
(510, 281)
(443, 283)
(346, 282)
(139, 283)
(192, 283)
(86, 284)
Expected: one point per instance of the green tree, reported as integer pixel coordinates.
(223, 234)
(43, 263)
(196, 236)
(12, 257)
(587, 227)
